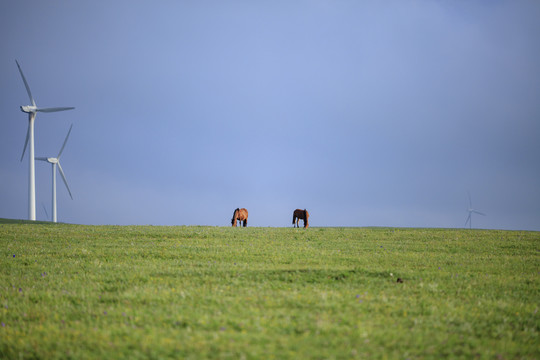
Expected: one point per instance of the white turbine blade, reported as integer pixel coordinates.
(26, 85)
(478, 212)
(64, 178)
(45, 209)
(26, 141)
(65, 141)
(55, 109)
(42, 159)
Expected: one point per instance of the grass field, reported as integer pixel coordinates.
(74, 291)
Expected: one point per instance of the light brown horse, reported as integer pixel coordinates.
(300, 214)
(240, 215)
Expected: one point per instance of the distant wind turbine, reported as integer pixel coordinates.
(471, 211)
(56, 161)
(31, 110)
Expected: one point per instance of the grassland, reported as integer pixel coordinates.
(73, 291)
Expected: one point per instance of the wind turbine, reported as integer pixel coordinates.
(56, 161)
(31, 110)
(471, 211)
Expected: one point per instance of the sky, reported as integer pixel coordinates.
(366, 113)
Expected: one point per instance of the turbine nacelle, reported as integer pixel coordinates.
(29, 109)
(52, 160)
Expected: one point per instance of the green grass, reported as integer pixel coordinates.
(74, 291)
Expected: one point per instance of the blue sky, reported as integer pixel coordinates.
(367, 113)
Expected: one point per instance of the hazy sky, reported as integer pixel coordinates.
(367, 113)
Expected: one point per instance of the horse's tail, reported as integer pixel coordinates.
(293, 216)
(306, 215)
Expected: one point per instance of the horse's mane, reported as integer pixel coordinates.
(234, 215)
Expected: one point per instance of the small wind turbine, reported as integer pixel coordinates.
(471, 211)
(56, 161)
(31, 110)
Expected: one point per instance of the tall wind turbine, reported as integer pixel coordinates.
(31, 110)
(56, 161)
(471, 211)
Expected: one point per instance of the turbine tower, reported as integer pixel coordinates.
(56, 161)
(471, 211)
(31, 110)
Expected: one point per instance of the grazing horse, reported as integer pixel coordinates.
(300, 214)
(240, 215)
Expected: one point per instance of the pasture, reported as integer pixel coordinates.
(74, 291)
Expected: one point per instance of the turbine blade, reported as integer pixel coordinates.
(42, 159)
(64, 178)
(26, 141)
(45, 209)
(468, 219)
(479, 213)
(26, 85)
(65, 141)
(55, 109)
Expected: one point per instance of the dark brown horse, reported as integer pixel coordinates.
(300, 214)
(240, 215)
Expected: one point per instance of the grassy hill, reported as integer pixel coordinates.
(75, 291)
